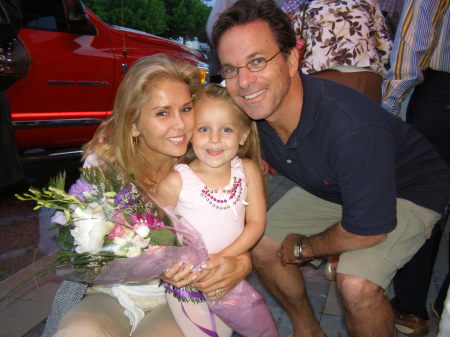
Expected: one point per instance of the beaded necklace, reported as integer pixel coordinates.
(221, 204)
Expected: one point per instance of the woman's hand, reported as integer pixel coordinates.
(179, 276)
(221, 274)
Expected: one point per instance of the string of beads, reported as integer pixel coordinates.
(235, 195)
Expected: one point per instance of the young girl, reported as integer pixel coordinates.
(220, 191)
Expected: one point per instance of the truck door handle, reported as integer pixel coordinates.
(124, 68)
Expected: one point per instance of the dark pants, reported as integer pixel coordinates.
(411, 283)
(442, 294)
(429, 113)
(429, 110)
(11, 171)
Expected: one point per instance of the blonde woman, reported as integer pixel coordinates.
(151, 126)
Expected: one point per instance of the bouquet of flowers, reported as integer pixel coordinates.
(111, 231)
(104, 217)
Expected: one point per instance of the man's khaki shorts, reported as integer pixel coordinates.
(301, 212)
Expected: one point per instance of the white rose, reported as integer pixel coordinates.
(90, 229)
(142, 231)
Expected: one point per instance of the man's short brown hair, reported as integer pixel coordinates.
(246, 11)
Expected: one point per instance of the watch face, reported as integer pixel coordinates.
(297, 251)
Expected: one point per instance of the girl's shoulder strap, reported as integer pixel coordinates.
(186, 173)
(191, 184)
(236, 162)
(237, 168)
(182, 168)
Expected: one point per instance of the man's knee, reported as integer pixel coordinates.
(357, 292)
(265, 253)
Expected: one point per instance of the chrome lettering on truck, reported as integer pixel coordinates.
(93, 83)
(69, 83)
(60, 82)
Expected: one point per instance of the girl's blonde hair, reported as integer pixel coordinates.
(113, 139)
(251, 148)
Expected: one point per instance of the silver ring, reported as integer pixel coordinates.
(218, 293)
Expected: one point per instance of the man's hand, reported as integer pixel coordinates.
(333, 241)
(267, 169)
(286, 252)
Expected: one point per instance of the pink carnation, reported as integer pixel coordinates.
(148, 219)
(119, 218)
(117, 232)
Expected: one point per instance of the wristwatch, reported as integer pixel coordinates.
(298, 250)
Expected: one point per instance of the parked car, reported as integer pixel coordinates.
(78, 62)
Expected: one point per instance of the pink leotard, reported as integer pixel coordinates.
(219, 222)
(219, 226)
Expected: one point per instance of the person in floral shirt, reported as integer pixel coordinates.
(346, 41)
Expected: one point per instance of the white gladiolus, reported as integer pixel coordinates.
(90, 229)
(120, 242)
(134, 251)
(120, 250)
(140, 242)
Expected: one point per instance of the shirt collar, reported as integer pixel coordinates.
(313, 91)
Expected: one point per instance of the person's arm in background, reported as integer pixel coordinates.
(415, 37)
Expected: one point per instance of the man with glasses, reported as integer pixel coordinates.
(370, 188)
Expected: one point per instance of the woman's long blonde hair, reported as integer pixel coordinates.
(251, 148)
(117, 144)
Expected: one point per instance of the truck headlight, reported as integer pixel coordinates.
(204, 72)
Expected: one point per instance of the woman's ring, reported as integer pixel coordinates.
(218, 293)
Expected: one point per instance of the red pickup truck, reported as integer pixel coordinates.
(78, 62)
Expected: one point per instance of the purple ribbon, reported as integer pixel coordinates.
(183, 293)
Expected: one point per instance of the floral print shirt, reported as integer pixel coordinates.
(342, 33)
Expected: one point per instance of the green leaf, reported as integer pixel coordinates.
(165, 219)
(59, 181)
(64, 238)
(162, 237)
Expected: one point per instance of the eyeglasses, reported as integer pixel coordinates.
(257, 64)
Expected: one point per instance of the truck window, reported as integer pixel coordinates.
(44, 15)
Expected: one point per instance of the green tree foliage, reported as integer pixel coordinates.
(146, 15)
(186, 19)
(167, 18)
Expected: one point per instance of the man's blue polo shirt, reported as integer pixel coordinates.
(348, 150)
